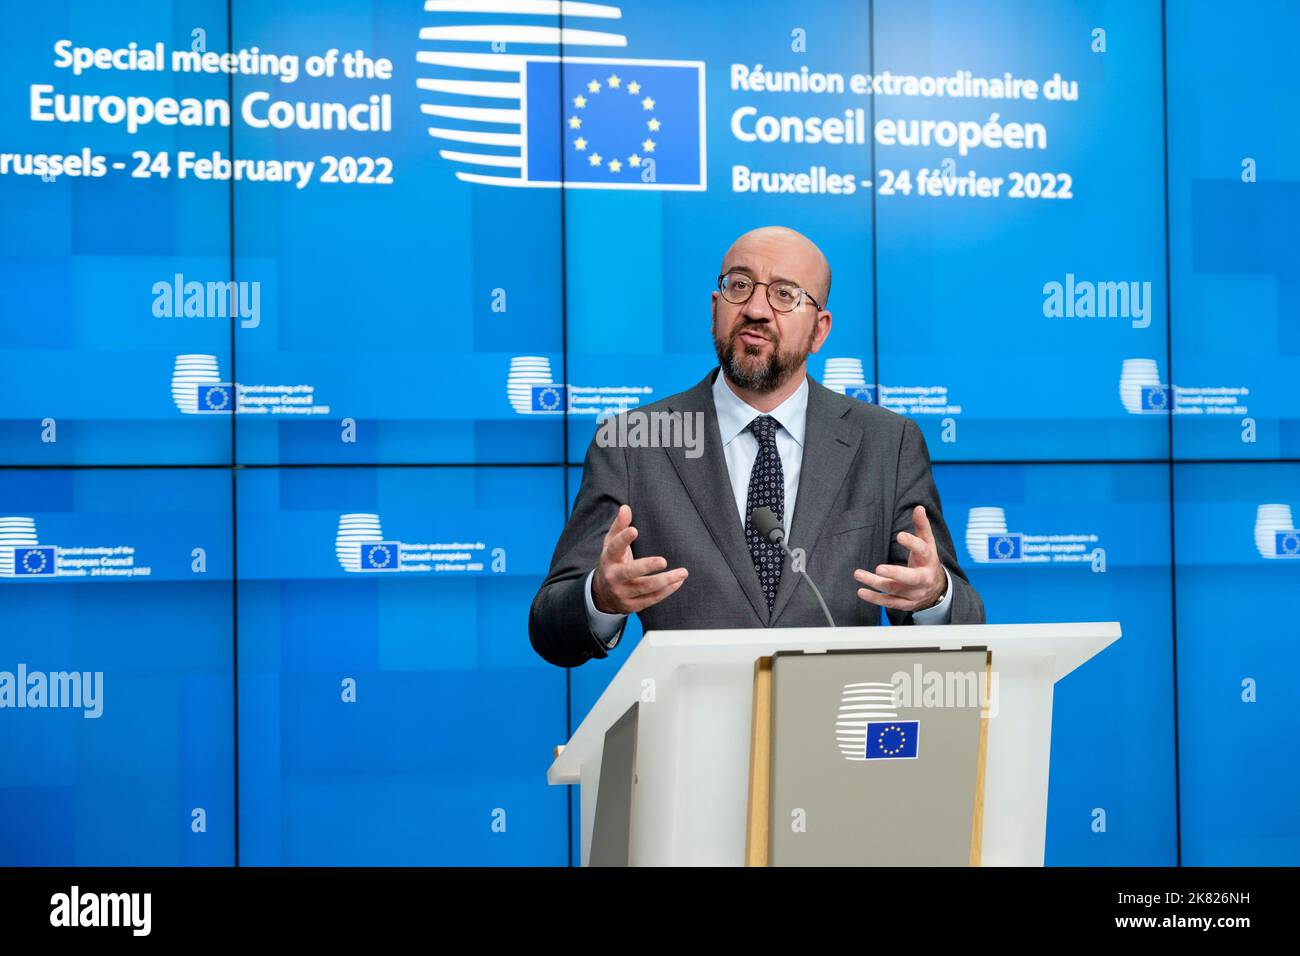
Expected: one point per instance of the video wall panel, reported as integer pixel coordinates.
(391, 715)
(1237, 661)
(116, 662)
(1234, 209)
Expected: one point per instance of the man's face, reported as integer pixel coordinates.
(759, 347)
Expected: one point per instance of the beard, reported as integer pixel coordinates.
(740, 362)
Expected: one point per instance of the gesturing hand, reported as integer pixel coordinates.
(623, 584)
(919, 585)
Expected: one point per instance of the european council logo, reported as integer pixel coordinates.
(1142, 393)
(23, 557)
(21, 554)
(535, 119)
(893, 739)
(987, 537)
(1140, 390)
(862, 703)
(197, 387)
(532, 389)
(988, 541)
(360, 546)
(1276, 535)
(845, 375)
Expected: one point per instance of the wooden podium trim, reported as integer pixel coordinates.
(760, 766)
(977, 824)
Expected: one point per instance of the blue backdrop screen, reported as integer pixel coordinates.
(311, 309)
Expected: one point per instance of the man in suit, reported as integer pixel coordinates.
(855, 478)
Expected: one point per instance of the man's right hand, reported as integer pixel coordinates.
(623, 584)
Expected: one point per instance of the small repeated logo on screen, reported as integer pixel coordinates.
(24, 557)
(1142, 393)
(362, 548)
(198, 389)
(1276, 535)
(848, 377)
(989, 541)
(531, 389)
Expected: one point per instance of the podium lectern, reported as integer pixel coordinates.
(691, 771)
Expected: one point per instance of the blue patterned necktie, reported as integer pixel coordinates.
(766, 487)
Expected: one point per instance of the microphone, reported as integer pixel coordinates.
(766, 524)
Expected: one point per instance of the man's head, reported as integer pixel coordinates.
(759, 345)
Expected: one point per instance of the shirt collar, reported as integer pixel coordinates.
(735, 414)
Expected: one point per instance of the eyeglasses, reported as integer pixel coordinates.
(736, 288)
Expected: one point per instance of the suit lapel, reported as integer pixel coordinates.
(709, 487)
(829, 447)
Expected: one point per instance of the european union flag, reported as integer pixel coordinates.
(550, 398)
(31, 562)
(1287, 544)
(618, 124)
(215, 398)
(1155, 398)
(864, 392)
(1006, 547)
(893, 739)
(380, 555)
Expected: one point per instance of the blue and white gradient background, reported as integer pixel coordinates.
(223, 688)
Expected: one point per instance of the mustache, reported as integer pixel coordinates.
(754, 329)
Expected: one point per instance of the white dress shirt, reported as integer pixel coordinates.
(740, 448)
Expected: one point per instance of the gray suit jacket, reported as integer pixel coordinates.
(864, 469)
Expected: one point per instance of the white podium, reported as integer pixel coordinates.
(693, 734)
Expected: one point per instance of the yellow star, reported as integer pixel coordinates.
(615, 166)
(574, 122)
(613, 81)
(634, 87)
(594, 159)
(634, 160)
(593, 86)
(579, 101)
(580, 143)
(647, 104)
(653, 124)
(648, 146)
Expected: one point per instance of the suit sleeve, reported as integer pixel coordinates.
(915, 486)
(558, 626)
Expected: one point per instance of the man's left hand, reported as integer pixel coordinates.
(916, 587)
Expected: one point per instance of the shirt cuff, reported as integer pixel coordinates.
(941, 613)
(604, 626)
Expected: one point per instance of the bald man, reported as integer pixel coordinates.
(666, 530)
